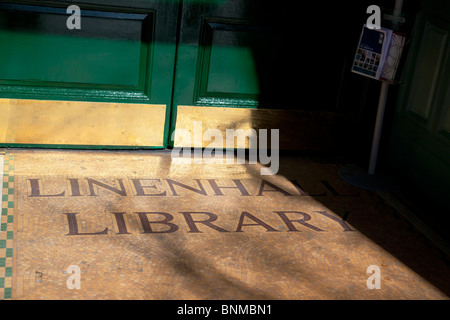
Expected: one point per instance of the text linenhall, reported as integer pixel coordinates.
(161, 187)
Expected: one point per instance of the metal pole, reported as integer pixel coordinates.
(398, 8)
(381, 107)
(378, 127)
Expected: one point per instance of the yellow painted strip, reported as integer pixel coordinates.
(81, 123)
(211, 118)
(297, 129)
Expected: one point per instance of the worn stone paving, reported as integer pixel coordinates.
(142, 225)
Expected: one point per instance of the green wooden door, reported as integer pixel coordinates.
(119, 66)
(138, 70)
(419, 145)
(259, 64)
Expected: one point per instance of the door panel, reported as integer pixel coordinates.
(124, 54)
(226, 69)
(425, 77)
(236, 59)
(112, 61)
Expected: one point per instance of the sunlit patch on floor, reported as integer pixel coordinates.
(141, 226)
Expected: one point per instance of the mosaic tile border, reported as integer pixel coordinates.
(7, 228)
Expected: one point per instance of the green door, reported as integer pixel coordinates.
(259, 64)
(104, 83)
(419, 145)
(138, 70)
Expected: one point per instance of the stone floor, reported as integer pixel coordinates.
(142, 225)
